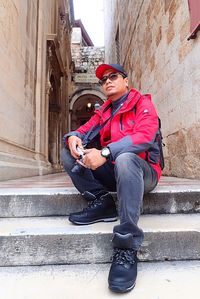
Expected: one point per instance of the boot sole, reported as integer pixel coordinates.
(118, 289)
(94, 221)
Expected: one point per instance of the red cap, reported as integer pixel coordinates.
(104, 67)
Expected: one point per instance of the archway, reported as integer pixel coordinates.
(82, 106)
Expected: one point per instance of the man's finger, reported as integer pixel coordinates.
(79, 143)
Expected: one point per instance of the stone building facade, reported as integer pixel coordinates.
(86, 93)
(149, 37)
(35, 83)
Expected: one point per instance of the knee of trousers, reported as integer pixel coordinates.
(66, 159)
(124, 161)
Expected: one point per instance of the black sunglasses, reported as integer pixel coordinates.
(111, 77)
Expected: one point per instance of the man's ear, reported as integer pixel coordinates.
(126, 81)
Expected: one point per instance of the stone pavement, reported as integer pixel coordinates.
(61, 180)
(168, 280)
(57, 180)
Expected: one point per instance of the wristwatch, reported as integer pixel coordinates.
(105, 152)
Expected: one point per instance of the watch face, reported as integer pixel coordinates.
(105, 152)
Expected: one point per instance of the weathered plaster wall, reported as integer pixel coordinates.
(18, 35)
(24, 26)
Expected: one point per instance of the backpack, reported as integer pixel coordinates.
(159, 139)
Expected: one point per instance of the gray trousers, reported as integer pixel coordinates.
(130, 176)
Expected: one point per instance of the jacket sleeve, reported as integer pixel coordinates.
(144, 131)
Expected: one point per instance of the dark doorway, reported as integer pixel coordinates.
(83, 109)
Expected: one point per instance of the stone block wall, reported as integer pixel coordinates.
(86, 59)
(160, 60)
(91, 57)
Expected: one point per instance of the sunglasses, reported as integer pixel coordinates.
(111, 77)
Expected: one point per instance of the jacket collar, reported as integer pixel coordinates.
(132, 99)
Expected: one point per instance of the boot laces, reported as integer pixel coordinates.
(124, 256)
(93, 204)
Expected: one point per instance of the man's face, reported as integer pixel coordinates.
(116, 88)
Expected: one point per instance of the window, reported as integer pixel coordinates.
(117, 44)
(194, 8)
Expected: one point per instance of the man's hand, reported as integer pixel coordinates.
(93, 158)
(73, 143)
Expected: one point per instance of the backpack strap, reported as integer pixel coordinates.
(91, 134)
(159, 139)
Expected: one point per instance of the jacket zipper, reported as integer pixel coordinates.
(121, 123)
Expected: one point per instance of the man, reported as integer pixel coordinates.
(128, 162)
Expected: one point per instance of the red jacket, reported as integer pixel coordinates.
(132, 129)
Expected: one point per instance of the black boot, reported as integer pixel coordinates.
(123, 271)
(101, 209)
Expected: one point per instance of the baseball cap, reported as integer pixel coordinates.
(115, 67)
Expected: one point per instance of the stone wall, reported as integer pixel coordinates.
(24, 30)
(85, 58)
(161, 61)
(85, 84)
(18, 35)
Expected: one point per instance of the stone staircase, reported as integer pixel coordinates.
(44, 256)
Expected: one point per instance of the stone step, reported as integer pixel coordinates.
(38, 202)
(161, 280)
(53, 240)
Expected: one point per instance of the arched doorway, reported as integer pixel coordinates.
(54, 122)
(82, 106)
(55, 105)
